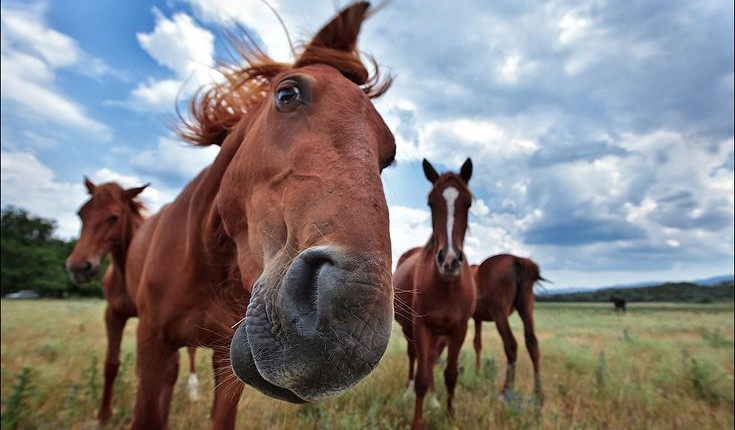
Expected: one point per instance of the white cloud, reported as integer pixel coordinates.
(174, 158)
(256, 15)
(30, 184)
(181, 46)
(31, 53)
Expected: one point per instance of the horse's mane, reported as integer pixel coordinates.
(216, 109)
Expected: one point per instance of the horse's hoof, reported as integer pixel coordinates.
(433, 402)
(102, 418)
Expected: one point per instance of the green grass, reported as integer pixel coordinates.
(662, 366)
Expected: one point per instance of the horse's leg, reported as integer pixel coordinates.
(452, 370)
(227, 391)
(529, 332)
(153, 358)
(478, 344)
(192, 382)
(172, 373)
(436, 351)
(115, 324)
(410, 348)
(423, 343)
(511, 348)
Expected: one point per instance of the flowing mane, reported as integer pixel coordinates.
(216, 108)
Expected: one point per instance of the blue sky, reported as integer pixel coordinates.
(601, 132)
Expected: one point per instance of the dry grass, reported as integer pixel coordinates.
(663, 367)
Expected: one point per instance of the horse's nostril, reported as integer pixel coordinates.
(87, 266)
(441, 256)
(310, 284)
(460, 256)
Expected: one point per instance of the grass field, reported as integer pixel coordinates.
(662, 366)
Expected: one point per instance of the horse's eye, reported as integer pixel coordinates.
(112, 219)
(288, 95)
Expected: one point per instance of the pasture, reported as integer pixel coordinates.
(662, 366)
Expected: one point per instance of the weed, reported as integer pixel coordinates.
(600, 373)
(715, 338)
(17, 407)
(706, 378)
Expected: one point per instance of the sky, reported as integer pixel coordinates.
(601, 132)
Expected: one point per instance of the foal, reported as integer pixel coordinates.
(110, 219)
(434, 287)
(504, 284)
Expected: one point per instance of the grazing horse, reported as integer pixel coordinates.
(619, 304)
(435, 291)
(289, 223)
(504, 284)
(110, 219)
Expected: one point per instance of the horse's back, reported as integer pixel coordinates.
(495, 280)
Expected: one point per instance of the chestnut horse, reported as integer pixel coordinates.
(504, 284)
(110, 219)
(435, 289)
(289, 222)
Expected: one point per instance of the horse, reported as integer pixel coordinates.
(277, 255)
(110, 218)
(435, 289)
(619, 304)
(504, 284)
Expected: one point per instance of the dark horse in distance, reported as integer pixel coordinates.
(619, 303)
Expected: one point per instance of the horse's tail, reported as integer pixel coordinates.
(528, 275)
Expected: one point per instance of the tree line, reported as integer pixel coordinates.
(32, 258)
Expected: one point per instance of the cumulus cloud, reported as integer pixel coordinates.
(258, 17)
(30, 184)
(183, 47)
(32, 53)
(173, 161)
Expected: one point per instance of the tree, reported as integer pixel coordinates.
(32, 259)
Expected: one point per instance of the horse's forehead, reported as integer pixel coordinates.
(450, 185)
(99, 202)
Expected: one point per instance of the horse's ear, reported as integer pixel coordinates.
(466, 171)
(131, 193)
(90, 185)
(429, 171)
(340, 33)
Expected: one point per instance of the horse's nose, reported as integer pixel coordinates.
(450, 261)
(81, 271)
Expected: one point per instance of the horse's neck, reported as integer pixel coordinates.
(133, 221)
(204, 223)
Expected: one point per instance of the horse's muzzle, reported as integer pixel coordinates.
(320, 330)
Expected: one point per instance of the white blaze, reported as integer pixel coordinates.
(450, 195)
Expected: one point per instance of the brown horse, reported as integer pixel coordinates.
(504, 284)
(110, 219)
(290, 221)
(435, 290)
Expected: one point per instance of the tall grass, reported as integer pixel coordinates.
(658, 367)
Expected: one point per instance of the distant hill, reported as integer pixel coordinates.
(667, 292)
(715, 280)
